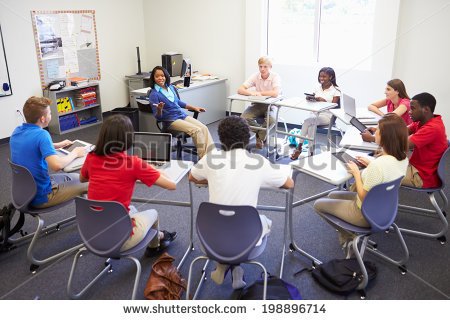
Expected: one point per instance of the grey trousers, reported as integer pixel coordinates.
(259, 110)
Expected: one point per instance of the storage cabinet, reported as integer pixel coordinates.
(74, 108)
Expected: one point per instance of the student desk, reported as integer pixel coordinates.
(300, 103)
(352, 140)
(269, 102)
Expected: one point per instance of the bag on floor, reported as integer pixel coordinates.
(165, 282)
(6, 216)
(277, 289)
(342, 276)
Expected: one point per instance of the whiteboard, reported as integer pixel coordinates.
(66, 44)
(5, 83)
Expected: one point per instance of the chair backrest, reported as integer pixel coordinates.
(228, 233)
(23, 187)
(104, 226)
(380, 205)
(442, 164)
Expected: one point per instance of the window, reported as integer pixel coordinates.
(337, 33)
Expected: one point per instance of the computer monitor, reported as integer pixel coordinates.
(186, 70)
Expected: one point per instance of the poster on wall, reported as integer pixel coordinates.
(66, 45)
(5, 83)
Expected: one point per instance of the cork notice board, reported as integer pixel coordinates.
(66, 44)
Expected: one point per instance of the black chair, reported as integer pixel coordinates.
(438, 210)
(228, 235)
(104, 227)
(182, 144)
(23, 191)
(380, 210)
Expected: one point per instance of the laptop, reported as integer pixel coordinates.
(345, 157)
(358, 124)
(155, 148)
(350, 108)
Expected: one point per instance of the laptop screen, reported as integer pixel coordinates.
(152, 146)
(349, 105)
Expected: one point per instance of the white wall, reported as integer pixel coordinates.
(423, 47)
(210, 33)
(120, 28)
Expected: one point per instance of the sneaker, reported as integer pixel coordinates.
(163, 244)
(253, 123)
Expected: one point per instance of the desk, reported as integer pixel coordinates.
(209, 94)
(303, 104)
(352, 140)
(344, 117)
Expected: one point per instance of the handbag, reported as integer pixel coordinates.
(165, 282)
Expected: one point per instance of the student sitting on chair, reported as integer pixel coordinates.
(327, 91)
(32, 147)
(397, 101)
(265, 83)
(234, 177)
(167, 107)
(392, 136)
(427, 137)
(112, 175)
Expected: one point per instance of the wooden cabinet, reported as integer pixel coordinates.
(75, 108)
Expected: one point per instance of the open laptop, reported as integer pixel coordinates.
(155, 148)
(350, 108)
(345, 157)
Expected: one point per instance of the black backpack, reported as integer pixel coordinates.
(277, 289)
(6, 216)
(341, 276)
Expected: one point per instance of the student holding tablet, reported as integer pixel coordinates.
(327, 91)
(392, 137)
(32, 147)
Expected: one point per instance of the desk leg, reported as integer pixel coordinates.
(288, 209)
(191, 234)
(330, 125)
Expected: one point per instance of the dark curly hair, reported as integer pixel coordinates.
(234, 133)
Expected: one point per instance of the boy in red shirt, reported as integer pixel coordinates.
(427, 137)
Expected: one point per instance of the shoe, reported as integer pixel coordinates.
(218, 275)
(253, 123)
(167, 239)
(163, 244)
(296, 154)
(237, 275)
(259, 144)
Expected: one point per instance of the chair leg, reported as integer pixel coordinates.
(179, 149)
(73, 295)
(138, 276)
(358, 256)
(190, 275)
(437, 209)
(265, 276)
(35, 263)
(404, 258)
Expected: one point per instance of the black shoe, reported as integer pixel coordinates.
(167, 239)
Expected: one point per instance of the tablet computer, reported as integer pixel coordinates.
(358, 124)
(345, 157)
(75, 144)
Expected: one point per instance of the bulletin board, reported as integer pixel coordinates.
(5, 83)
(66, 44)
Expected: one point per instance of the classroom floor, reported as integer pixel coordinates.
(427, 276)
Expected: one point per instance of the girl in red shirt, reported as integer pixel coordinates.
(112, 175)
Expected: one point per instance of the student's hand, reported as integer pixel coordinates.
(367, 136)
(320, 99)
(159, 108)
(372, 129)
(62, 144)
(353, 168)
(79, 152)
(363, 160)
(198, 109)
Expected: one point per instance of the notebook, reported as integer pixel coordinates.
(345, 157)
(350, 108)
(155, 148)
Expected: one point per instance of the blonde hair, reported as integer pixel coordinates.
(265, 60)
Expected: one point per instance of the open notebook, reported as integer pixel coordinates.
(155, 148)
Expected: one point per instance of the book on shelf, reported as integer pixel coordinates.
(64, 105)
(78, 81)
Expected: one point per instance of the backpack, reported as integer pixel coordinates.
(293, 141)
(6, 216)
(277, 289)
(342, 276)
(165, 282)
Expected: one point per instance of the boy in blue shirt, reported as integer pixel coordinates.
(32, 147)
